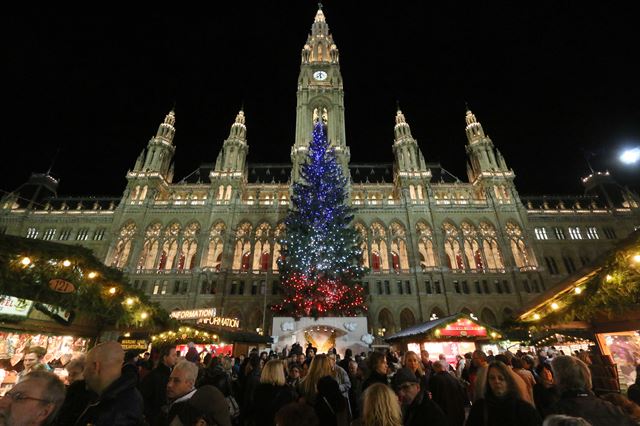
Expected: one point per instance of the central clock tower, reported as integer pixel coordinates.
(320, 96)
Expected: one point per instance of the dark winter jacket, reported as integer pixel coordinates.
(544, 398)
(154, 392)
(447, 392)
(596, 411)
(75, 401)
(119, 405)
(423, 412)
(217, 377)
(374, 377)
(508, 411)
(267, 400)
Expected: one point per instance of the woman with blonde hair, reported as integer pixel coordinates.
(308, 386)
(380, 407)
(270, 395)
(412, 362)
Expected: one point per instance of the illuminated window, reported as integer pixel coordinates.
(98, 235)
(592, 233)
(83, 234)
(574, 233)
(32, 233)
(49, 234)
(559, 232)
(541, 233)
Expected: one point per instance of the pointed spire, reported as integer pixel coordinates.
(402, 130)
(320, 46)
(238, 128)
(166, 130)
(474, 128)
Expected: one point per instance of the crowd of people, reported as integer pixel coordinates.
(113, 387)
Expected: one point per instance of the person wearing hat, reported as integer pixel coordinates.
(417, 408)
(207, 407)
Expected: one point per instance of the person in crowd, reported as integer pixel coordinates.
(545, 393)
(251, 382)
(460, 364)
(293, 378)
(207, 407)
(77, 396)
(499, 400)
(340, 375)
(480, 365)
(348, 357)
(631, 408)
(320, 367)
(271, 394)
(412, 362)
(418, 410)
(529, 381)
(560, 420)
(573, 379)
(118, 401)
(490, 356)
(331, 406)
(33, 361)
(296, 414)
(34, 401)
(529, 364)
(378, 370)
(180, 388)
(215, 375)
(74, 368)
(380, 407)
(633, 393)
(192, 354)
(426, 363)
(130, 365)
(356, 377)
(447, 392)
(154, 386)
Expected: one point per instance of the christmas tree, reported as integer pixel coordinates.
(321, 255)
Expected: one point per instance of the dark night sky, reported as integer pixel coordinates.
(546, 81)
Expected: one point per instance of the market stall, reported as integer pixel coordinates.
(451, 336)
(603, 297)
(61, 299)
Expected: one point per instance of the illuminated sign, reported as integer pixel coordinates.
(10, 305)
(462, 328)
(193, 314)
(134, 344)
(61, 286)
(221, 321)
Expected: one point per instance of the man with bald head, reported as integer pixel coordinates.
(118, 401)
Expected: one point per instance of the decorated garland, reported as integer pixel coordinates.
(73, 279)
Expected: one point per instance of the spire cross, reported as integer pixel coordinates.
(320, 5)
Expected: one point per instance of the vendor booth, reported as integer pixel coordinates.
(451, 336)
(60, 299)
(603, 300)
(210, 333)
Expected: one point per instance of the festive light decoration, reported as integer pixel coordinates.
(320, 261)
(34, 270)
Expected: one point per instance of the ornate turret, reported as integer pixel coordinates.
(484, 159)
(408, 156)
(160, 149)
(320, 95)
(232, 157)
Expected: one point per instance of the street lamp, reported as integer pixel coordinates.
(630, 155)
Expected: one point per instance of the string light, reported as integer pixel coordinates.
(66, 263)
(554, 306)
(25, 261)
(144, 315)
(112, 290)
(92, 275)
(129, 301)
(577, 290)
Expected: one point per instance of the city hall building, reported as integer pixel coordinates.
(434, 245)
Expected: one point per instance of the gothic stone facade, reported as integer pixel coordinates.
(434, 245)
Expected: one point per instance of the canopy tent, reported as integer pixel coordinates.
(455, 327)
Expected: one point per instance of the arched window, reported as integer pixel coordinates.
(364, 246)
(277, 236)
(521, 253)
(492, 253)
(407, 319)
(123, 245)
(385, 320)
(151, 246)
(189, 246)
(452, 247)
(262, 248)
(425, 246)
(400, 259)
(242, 253)
(216, 246)
(436, 313)
(379, 256)
(169, 246)
(488, 317)
(471, 247)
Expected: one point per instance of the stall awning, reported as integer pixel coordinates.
(459, 326)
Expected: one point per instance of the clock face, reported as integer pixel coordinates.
(320, 75)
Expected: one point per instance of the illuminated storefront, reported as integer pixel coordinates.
(450, 336)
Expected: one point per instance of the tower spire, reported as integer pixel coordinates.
(233, 155)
